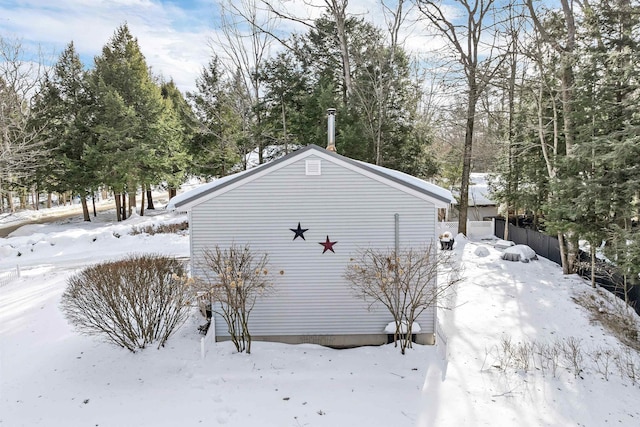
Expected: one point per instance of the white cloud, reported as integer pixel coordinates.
(173, 39)
(173, 35)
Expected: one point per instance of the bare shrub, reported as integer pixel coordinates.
(160, 228)
(235, 278)
(540, 355)
(132, 302)
(544, 356)
(626, 362)
(572, 353)
(525, 356)
(404, 282)
(552, 354)
(603, 359)
(567, 353)
(506, 353)
(614, 314)
(520, 356)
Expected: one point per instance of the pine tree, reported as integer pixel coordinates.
(175, 128)
(133, 145)
(63, 106)
(212, 146)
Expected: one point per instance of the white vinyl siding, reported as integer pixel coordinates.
(312, 297)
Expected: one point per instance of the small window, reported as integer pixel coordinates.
(312, 167)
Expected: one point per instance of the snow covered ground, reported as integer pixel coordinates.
(52, 376)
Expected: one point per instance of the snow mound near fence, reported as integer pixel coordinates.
(481, 251)
(521, 253)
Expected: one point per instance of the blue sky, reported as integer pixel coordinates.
(173, 34)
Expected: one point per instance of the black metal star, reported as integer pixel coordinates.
(299, 232)
(328, 245)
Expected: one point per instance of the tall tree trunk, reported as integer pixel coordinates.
(132, 202)
(116, 197)
(142, 201)
(49, 199)
(123, 201)
(85, 207)
(284, 129)
(593, 265)
(566, 52)
(93, 203)
(513, 67)
(12, 205)
(466, 159)
(337, 9)
(563, 253)
(149, 198)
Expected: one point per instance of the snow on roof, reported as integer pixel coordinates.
(408, 180)
(178, 200)
(479, 190)
(479, 193)
(417, 182)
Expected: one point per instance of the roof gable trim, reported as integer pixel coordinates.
(374, 172)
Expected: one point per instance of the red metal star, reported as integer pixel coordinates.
(328, 245)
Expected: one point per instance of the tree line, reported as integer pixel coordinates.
(544, 95)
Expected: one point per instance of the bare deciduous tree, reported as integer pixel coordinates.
(245, 39)
(466, 36)
(405, 282)
(20, 143)
(336, 9)
(374, 96)
(566, 49)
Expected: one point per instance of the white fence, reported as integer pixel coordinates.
(7, 276)
(475, 229)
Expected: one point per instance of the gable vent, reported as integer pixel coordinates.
(312, 167)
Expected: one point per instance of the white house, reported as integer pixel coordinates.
(481, 205)
(311, 210)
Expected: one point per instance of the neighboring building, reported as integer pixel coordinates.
(481, 206)
(311, 210)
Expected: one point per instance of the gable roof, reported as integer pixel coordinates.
(479, 191)
(188, 199)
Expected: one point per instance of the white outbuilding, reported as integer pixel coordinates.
(311, 211)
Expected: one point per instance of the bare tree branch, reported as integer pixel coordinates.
(20, 139)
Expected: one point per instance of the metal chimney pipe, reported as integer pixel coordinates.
(331, 129)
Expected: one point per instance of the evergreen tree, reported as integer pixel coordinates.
(133, 147)
(63, 105)
(212, 145)
(288, 94)
(375, 122)
(175, 127)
